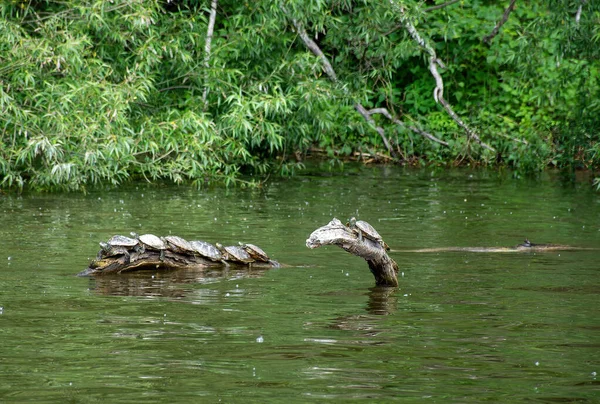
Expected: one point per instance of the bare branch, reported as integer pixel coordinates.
(446, 4)
(386, 113)
(438, 91)
(427, 10)
(361, 110)
(314, 48)
(488, 39)
(579, 10)
(310, 44)
(207, 44)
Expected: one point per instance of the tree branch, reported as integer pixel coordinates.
(438, 91)
(383, 268)
(207, 45)
(488, 39)
(579, 10)
(386, 113)
(361, 110)
(427, 10)
(310, 44)
(314, 48)
(446, 4)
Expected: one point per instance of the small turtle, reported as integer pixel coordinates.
(526, 243)
(255, 252)
(206, 250)
(152, 243)
(365, 229)
(235, 254)
(178, 245)
(117, 245)
(109, 250)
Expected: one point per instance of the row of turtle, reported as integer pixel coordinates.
(123, 245)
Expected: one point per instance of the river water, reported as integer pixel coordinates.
(462, 327)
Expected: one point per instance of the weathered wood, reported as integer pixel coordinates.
(140, 260)
(517, 248)
(383, 268)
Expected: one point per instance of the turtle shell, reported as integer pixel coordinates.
(236, 254)
(178, 244)
(153, 242)
(368, 230)
(255, 252)
(206, 250)
(122, 241)
(109, 250)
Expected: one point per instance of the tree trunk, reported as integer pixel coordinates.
(383, 268)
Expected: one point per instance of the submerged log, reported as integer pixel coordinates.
(383, 268)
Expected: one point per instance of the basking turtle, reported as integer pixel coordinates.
(206, 250)
(117, 245)
(178, 245)
(109, 250)
(255, 252)
(365, 229)
(123, 241)
(152, 243)
(235, 254)
(526, 243)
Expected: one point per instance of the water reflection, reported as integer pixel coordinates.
(165, 283)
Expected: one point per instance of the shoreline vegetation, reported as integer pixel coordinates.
(212, 92)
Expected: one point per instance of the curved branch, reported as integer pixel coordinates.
(312, 45)
(488, 38)
(386, 113)
(446, 4)
(361, 110)
(438, 91)
(383, 268)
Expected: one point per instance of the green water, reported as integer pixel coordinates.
(462, 327)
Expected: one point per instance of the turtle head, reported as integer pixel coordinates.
(352, 222)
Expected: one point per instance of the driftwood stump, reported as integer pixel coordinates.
(383, 268)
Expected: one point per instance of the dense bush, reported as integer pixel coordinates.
(95, 92)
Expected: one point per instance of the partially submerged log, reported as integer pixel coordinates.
(383, 268)
(517, 248)
(119, 259)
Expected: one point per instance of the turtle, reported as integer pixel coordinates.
(151, 242)
(117, 245)
(206, 250)
(255, 252)
(365, 229)
(178, 245)
(235, 253)
(526, 243)
(123, 241)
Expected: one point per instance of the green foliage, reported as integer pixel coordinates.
(95, 92)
